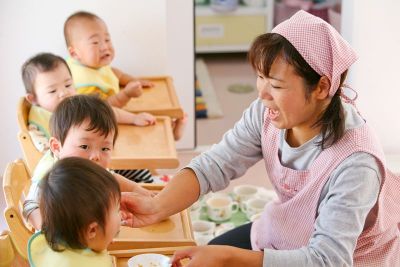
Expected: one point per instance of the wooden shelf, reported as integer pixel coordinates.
(231, 31)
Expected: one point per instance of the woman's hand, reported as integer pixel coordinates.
(138, 210)
(218, 256)
(138, 189)
(210, 256)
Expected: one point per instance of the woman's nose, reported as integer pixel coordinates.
(264, 93)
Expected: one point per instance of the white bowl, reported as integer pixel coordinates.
(149, 260)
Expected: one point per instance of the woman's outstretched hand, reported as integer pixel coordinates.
(138, 210)
(210, 256)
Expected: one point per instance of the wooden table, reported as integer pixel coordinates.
(172, 232)
(158, 100)
(121, 257)
(150, 147)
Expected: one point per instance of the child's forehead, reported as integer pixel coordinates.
(85, 24)
(83, 131)
(58, 74)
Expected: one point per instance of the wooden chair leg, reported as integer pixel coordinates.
(8, 255)
(7, 251)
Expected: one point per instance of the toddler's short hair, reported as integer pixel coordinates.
(73, 194)
(39, 63)
(73, 18)
(74, 110)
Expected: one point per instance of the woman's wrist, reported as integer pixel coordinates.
(242, 257)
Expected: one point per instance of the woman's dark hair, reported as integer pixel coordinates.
(74, 110)
(262, 54)
(73, 194)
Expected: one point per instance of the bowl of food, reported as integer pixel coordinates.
(149, 260)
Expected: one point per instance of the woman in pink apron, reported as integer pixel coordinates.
(337, 205)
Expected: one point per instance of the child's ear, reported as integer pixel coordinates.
(72, 52)
(55, 146)
(92, 230)
(31, 99)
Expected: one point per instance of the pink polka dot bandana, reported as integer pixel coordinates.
(319, 44)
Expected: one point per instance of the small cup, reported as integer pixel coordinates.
(220, 208)
(203, 228)
(195, 211)
(253, 206)
(266, 194)
(203, 239)
(242, 193)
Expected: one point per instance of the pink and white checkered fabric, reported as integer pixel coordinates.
(319, 44)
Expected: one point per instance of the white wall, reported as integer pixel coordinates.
(139, 31)
(372, 28)
(180, 60)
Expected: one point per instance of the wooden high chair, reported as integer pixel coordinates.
(9, 256)
(29, 151)
(137, 147)
(16, 182)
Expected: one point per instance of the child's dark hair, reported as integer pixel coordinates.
(74, 110)
(39, 63)
(73, 18)
(73, 194)
(266, 48)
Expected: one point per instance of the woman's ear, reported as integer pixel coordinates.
(55, 146)
(92, 230)
(323, 87)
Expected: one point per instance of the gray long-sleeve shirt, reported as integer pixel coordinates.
(344, 203)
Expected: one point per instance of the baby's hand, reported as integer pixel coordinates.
(133, 89)
(146, 83)
(144, 119)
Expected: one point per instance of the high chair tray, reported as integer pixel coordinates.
(151, 147)
(121, 257)
(158, 100)
(174, 231)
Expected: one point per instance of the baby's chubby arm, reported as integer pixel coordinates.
(130, 87)
(141, 119)
(125, 79)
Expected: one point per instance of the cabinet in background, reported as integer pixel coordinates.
(233, 31)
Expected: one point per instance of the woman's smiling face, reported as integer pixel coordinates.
(283, 92)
